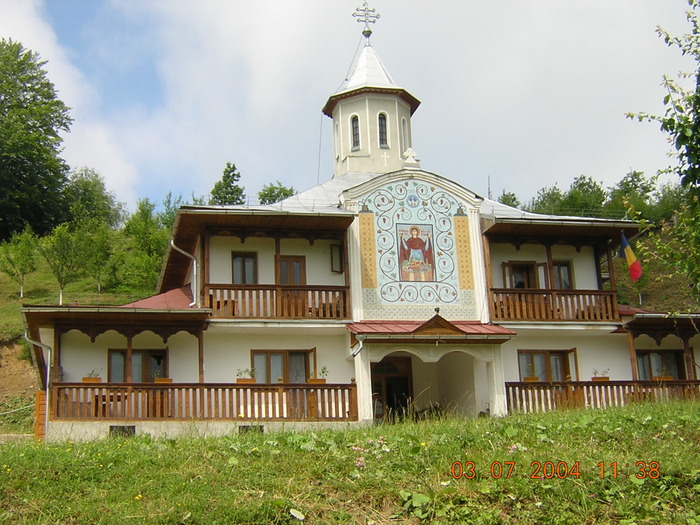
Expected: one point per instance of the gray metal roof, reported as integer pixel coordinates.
(367, 71)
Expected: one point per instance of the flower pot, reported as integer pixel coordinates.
(248, 380)
(316, 380)
(662, 378)
(92, 379)
(532, 379)
(600, 378)
(163, 380)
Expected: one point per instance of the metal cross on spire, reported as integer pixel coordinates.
(368, 15)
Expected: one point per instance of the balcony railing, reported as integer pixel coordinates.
(173, 401)
(272, 301)
(544, 397)
(508, 304)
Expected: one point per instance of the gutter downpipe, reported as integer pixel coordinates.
(195, 282)
(48, 380)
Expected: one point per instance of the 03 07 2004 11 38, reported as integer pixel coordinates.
(553, 469)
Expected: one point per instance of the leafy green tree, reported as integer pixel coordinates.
(227, 191)
(634, 190)
(89, 200)
(18, 257)
(147, 241)
(548, 201)
(99, 241)
(585, 198)
(32, 174)
(677, 241)
(170, 206)
(509, 199)
(64, 251)
(271, 193)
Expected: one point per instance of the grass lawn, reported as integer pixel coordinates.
(566, 467)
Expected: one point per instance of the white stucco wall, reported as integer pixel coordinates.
(595, 349)
(226, 352)
(583, 263)
(318, 259)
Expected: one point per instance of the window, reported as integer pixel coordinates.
(520, 274)
(146, 365)
(562, 275)
(382, 131)
(292, 269)
(664, 363)
(548, 365)
(244, 269)
(337, 263)
(293, 366)
(404, 136)
(355, 125)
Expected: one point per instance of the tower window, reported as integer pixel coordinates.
(355, 123)
(382, 131)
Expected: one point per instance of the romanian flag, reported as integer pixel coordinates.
(633, 264)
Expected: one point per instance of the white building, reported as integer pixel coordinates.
(411, 291)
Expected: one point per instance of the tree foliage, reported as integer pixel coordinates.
(89, 201)
(146, 241)
(18, 257)
(64, 251)
(677, 241)
(509, 199)
(271, 193)
(32, 174)
(226, 191)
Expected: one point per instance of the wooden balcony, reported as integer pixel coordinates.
(277, 302)
(508, 304)
(544, 397)
(173, 401)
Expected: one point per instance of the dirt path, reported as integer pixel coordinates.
(17, 376)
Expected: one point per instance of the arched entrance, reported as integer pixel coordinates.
(392, 386)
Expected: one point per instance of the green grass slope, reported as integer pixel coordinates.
(630, 465)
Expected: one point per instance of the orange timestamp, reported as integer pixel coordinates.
(553, 470)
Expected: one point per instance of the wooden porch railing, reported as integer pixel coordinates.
(544, 397)
(508, 304)
(272, 301)
(173, 401)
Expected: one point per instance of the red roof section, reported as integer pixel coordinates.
(176, 299)
(408, 327)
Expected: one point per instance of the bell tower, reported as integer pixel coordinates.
(371, 113)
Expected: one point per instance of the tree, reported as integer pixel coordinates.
(677, 242)
(509, 199)
(271, 193)
(98, 249)
(64, 251)
(227, 191)
(88, 199)
(18, 257)
(32, 174)
(585, 198)
(170, 207)
(634, 190)
(146, 244)
(547, 201)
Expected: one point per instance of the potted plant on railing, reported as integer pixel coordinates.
(158, 378)
(662, 374)
(93, 376)
(531, 374)
(245, 375)
(321, 377)
(600, 376)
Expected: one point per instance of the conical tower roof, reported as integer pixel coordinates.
(369, 76)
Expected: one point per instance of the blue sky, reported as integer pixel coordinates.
(530, 94)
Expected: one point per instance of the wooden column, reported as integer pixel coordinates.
(550, 265)
(129, 352)
(690, 372)
(56, 354)
(633, 354)
(346, 270)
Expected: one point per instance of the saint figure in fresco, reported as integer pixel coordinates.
(416, 255)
